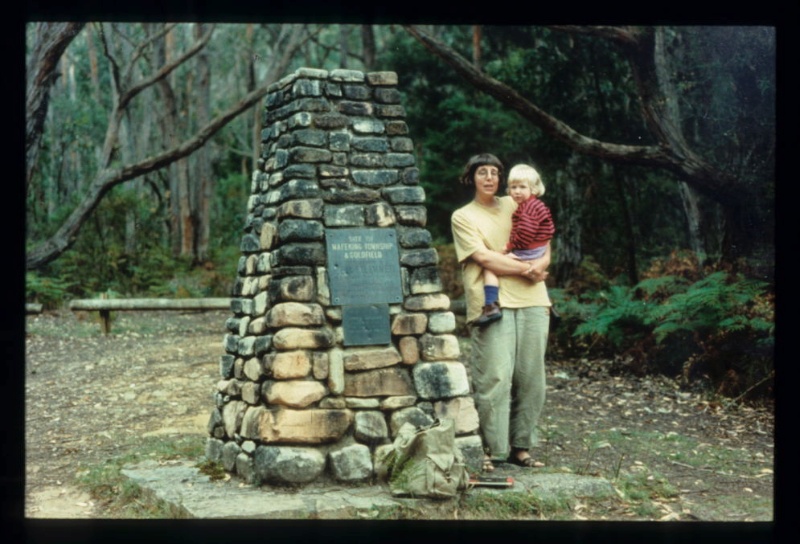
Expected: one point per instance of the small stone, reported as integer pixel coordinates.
(309, 426)
(370, 428)
(440, 380)
(367, 358)
(288, 465)
(230, 451)
(462, 411)
(394, 403)
(411, 415)
(214, 450)
(439, 347)
(409, 323)
(409, 350)
(351, 463)
(295, 393)
(291, 338)
(441, 322)
(287, 365)
(288, 314)
(376, 383)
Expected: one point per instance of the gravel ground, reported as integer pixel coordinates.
(90, 398)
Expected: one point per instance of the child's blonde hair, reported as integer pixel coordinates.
(528, 174)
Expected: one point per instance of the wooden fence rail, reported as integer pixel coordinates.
(107, 305)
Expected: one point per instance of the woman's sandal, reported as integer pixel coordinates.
(527, 462)
(487, 465)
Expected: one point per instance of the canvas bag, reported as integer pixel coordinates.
(425, 461)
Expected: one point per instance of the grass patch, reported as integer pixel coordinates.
(480, 506)
(215, 471)
(678, 448)
(122, 498)
(645, 492)
(645, 485)
(514, 506)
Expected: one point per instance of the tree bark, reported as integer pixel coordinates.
(691, 208)
(476, 46)
(567, 251)
(203, 173)
(94, 72)
(50, 42)
(368, 44)
(671, 151)
(344, 49)
(630, 233)
(256, 118)
(108, 177)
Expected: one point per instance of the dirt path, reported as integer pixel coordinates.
(91, 398)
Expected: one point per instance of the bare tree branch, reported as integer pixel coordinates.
(165, 70)
(671, 152)
(626, 36)
(554, 127)
(116, 78)
(139, 51)
(107, 178)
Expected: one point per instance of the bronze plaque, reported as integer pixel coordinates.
(363, 266)
(366, 325)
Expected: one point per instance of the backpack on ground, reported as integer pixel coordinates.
(425, 461)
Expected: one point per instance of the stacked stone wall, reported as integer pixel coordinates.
(294, 402)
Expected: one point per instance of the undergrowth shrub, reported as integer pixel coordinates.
(49, 292)
(708, 328)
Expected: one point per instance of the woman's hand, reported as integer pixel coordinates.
(535, 275)
(537, 269)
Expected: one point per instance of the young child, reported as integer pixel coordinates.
(531, 229)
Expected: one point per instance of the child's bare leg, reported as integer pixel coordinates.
(491, 309)
(489, 278)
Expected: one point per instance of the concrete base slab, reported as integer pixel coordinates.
(194, 494)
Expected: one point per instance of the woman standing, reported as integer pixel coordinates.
(507, 359)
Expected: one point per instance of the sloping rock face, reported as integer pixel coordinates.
(340, 331)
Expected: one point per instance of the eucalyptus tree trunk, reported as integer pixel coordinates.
(671, 109)
(204, 179)
(476, 46)
(126, 90)
(344, 49)
(49, 43)
(630, 233)
(569, 199)
(256, 117)
(94, 72)
(691, 207)
(368, 44)
(181, 220)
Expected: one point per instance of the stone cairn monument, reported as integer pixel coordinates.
(340, 330)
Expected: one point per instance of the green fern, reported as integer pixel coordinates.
(615, 315)
(50, 292)
(717, 302)
(661, 286)
(667, 305)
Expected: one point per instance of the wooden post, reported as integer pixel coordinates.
(105, 317)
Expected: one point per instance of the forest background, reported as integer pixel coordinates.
(656, 146)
